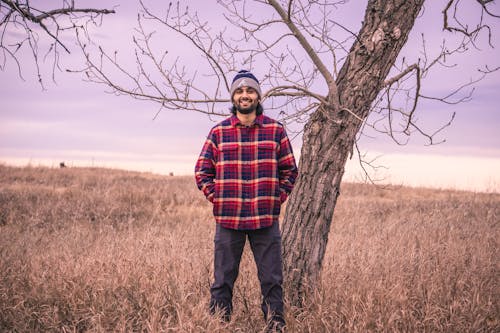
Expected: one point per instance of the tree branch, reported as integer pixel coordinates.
(332, 87)
(21, 14)
(400, 75)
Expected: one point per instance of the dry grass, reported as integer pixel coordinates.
(103, 250)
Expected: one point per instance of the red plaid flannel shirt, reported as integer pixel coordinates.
(247, 172)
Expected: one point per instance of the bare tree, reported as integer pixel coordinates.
(24, 26)
(320, 73)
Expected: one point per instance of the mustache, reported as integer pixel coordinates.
(245, 99)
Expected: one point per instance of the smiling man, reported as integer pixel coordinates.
(247, 170)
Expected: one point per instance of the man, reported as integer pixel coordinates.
(247, 170)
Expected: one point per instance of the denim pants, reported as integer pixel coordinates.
(266, 248)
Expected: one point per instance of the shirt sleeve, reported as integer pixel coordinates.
(205, 167)
(287, 167)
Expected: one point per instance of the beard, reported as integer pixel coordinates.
(247, 109)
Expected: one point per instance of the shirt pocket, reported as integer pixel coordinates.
(226, 170)
(229, 152)
(266, 160)
(266, 150)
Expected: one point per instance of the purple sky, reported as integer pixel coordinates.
(79, 123)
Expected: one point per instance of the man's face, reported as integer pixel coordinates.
(245, 99)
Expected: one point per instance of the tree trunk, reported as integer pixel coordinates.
(329, 138)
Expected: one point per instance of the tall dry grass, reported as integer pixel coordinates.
(105, 250)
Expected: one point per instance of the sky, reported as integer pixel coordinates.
(82, 124)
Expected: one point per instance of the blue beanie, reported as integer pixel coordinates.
(245, 79)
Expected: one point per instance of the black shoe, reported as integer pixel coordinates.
(223, 309)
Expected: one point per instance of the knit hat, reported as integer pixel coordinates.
(245, 79)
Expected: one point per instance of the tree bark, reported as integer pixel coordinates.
(329, 138)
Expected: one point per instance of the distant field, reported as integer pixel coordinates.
(103, 250)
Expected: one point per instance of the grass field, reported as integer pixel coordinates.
(104, 250)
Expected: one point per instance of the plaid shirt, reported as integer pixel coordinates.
(247, 172)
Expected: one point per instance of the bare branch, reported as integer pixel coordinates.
(21, 14)
(366, 164)
(483, 4)
(463, 28)
(281, 91)
(293, 73)
(310, 51)
(447, 99)
(400, 75)
(193, 38)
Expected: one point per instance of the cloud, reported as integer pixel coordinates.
(427, 170)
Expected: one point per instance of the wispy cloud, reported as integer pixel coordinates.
(452, 171)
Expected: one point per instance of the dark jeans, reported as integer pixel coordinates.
(266, 249)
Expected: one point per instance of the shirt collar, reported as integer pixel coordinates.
(259, 120)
